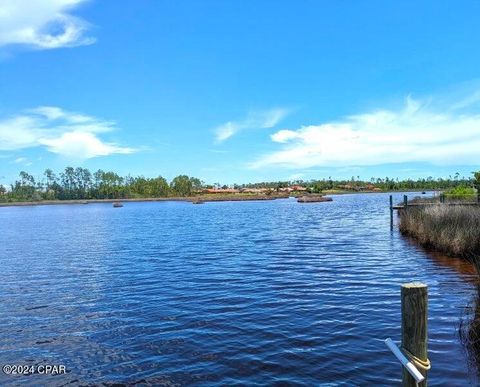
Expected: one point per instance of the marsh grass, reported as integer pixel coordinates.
(454, 230)
(469, 329)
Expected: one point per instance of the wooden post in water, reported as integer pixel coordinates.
(414, 329)
(391, 212)
(405, 201)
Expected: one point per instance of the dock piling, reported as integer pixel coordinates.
(405, 201)
(391, 212)
(414, 330)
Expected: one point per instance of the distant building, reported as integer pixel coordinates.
(298, 188)
(220, 190)
(255, 190)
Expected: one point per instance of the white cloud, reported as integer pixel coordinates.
(69, 134)
(83, 145)
(417, 132)
(42, 24)
(256, 120)
(283, 135)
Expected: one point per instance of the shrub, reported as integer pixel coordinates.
(461, 193)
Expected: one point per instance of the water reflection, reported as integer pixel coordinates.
(462, 266)
(470, 324)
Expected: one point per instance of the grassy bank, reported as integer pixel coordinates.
(454, 230)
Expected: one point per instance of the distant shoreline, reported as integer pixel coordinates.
(201, 198)
(197, 198)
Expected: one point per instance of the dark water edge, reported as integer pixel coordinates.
(250, 293)
(469, 331)
(467, 262)
(469, 321)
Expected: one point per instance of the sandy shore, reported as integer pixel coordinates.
(199, 198)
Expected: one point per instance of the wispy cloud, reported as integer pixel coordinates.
(20, 160)
(416, 132)
(42, 24)
(255, 120)
(69, 134)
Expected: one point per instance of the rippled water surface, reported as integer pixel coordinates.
(264, 292)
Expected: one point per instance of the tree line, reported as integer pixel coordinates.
(384, 184)
(395, 184)
(80, 183)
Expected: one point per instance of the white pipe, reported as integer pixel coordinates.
(405, 362)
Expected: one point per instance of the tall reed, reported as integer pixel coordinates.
(454, 230)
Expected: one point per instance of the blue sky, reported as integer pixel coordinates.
(240, 90)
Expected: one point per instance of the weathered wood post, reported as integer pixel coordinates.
(391, 212)
(405, 201)
(442, 198)
(414, 329)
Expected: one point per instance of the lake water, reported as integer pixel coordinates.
(229, 293)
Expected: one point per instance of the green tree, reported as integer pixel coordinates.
(68, 181)
(3, 193)
(159, 187)
(50, 177)
(476, 184)
(53, 190)
(182, 185)
(476, 180)
(83, 182)
(111, 186)
(24, 188)
(197, 184)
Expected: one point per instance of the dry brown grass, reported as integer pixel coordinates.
(454, 230)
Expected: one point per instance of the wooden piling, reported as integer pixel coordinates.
(391, 212)
(414, 329)
(405, 201)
